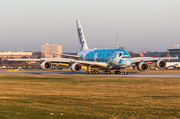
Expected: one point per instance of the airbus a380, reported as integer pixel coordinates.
(99, 59)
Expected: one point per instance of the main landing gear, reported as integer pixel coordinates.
(116, 72)
(119, 72)
(105, 72)
(92, 72)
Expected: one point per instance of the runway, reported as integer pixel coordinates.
(68, 73)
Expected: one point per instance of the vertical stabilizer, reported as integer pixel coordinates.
(82, 40)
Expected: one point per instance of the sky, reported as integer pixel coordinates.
(141, 24)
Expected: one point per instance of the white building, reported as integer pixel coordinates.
(46, 49)
(9, 54)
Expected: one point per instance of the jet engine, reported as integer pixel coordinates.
(160, 64)
(142, 66)
(76, 67)
(46, 65)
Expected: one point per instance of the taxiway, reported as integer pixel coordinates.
(67, 73)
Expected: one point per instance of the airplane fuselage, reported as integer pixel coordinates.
(115, 58)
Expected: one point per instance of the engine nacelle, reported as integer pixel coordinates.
(160, 64)
(76, 67)
(46, 65)
(142, 66)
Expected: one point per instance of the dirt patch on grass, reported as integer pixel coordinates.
(5, 98)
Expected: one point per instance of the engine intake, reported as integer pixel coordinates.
(142, 66)
(160, 64)
(46, 65)
(76, 67)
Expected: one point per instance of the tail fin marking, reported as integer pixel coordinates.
(82, 40)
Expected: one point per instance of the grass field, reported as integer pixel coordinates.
(49, 97)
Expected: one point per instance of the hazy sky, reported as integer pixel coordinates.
(142, 24)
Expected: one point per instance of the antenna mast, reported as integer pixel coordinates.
(117, 44)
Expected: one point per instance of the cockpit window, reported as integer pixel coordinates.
(120, 54)
(125, 57)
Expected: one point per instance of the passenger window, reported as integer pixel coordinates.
(120, 55)
(125, 57)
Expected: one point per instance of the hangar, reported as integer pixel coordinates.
(173, 53)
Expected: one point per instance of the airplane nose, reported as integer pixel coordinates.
(128, 62)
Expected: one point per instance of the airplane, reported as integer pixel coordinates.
(99, 59)
(172, 65)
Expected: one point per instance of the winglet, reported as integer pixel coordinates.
(177, 57)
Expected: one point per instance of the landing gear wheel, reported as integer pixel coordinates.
(125, 73)
(88, 72)
(96, 72)
(117, 72)
(92, 72)
(106, 72)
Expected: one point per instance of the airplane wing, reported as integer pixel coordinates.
(69, 61)
(147, 59)
(63, 60)
(75, 56)
(28, 60)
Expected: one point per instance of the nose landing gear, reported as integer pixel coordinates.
(125, 72)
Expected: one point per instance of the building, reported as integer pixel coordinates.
(173, 53)
(9, 54)
(47, 49)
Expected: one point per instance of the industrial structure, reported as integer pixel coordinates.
(117, 44)
(9, 54)
(48, 50)
(176, 46)
(174, 53)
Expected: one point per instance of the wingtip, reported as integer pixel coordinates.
(177, 57)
